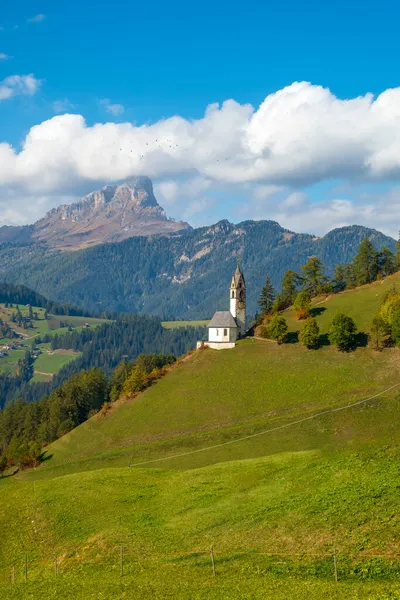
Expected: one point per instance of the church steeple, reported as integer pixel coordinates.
(237, 293)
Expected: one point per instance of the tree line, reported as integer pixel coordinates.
(27, 428)
(298, 290)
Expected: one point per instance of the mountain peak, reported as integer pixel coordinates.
(114, 213)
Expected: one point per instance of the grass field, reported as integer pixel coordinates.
(175, 324)
(274, 455)
(53, 362)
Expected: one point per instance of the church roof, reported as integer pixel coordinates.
(222, 319)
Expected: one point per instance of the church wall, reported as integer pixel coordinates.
(218, 334)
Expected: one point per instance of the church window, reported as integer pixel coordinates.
(217, 331)
(225, 332)
(233, 294)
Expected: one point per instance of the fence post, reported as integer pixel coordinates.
(335, 564)
(121, 560)
(26, 567)
(212, 560)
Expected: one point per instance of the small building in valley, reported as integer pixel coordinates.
(226, 327)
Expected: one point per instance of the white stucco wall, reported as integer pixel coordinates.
(222, 334)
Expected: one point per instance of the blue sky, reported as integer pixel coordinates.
(139, 63)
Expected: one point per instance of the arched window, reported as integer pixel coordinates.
(233, 294)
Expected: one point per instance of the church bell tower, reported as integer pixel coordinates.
(237, 293)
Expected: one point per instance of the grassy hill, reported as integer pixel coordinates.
(275, 455)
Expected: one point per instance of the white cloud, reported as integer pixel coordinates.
(114, 109)
(62, 106)
(298, 136)
(36, 19)
(4, 56)
(18, 85)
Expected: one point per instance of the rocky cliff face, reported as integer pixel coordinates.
(112, 214)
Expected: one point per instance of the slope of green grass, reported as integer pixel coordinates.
(361, 304)
(269, 453)
(216, 396)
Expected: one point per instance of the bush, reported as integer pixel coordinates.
(342, 332)
(277, 329)
(261, 331)
(302, 305)
(309, 335)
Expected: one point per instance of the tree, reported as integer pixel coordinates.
(267, 297)
(386, 262)
(309, 335)
(302, 305)
(349, 276)
(366, 263)
(30, 312)
(290, 284)
(378, 333)
(277, 328)
(397, 257)
(280, 303)
(339, 279)
(3, 464)
(136, 382)
(342, 332)
(45, 316)
(314, 279)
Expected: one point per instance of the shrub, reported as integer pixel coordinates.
(302, 305)
(342, 332)
(309, 335)
(277, 329)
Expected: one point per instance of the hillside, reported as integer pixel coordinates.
(273, 454)
(182, 276)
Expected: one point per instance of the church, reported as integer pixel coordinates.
(228, 326)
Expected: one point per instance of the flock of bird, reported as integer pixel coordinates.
(170, 145)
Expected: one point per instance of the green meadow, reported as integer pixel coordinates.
(273, 455)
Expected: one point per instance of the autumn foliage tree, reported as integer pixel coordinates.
(302, 305)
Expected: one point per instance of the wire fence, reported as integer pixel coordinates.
(122, 561)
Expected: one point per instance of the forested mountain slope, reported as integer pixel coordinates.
(184, 275)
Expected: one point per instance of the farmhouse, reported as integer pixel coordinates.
(228, 326)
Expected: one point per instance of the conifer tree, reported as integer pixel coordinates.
(290, 284)
(267, 297)
(366, 263)
(277, 329)
(386, 262)
(314, 278)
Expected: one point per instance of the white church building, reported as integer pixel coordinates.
(228, 326)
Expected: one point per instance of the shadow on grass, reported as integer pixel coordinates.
(324, 340)
(292, 337)
(45, 456)
(361, 340)
(317, 310)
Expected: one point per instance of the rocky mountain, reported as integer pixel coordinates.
(182, 275)
(115, 213)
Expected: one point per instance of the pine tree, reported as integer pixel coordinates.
(386, 262)
(349, 276)
(339, 279)
(267, 297)
(366, 263)
(314, 279)
(309, 335)
(290, 284)
(342, 332)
